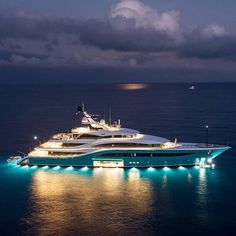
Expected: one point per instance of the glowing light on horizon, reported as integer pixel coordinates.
(133, 86)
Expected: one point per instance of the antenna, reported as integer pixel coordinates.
(109, 116)
(104, 114)
(82, 106)
(206, 135)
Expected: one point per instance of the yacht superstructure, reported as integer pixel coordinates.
(98, 144)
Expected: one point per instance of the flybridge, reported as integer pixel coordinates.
(90, 120)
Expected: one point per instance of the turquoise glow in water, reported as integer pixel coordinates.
(84, 201)
(114, 201)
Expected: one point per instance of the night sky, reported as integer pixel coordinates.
(122, 40)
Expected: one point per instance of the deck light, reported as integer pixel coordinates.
(36, 139)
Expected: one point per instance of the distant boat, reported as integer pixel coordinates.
(192, 87)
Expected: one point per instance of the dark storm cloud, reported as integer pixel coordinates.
(106, 36)
(209, 48)
(35, 28)
(94, 32)
(54, 40)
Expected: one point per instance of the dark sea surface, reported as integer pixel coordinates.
(66, 201)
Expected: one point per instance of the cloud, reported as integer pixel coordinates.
(214, 30)
(134, 35)
(209, 48)
(21, 60)
(146, 17)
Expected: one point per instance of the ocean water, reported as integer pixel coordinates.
(84, 201)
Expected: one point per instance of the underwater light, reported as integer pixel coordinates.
(151, 168)
(56, 167)
(16, 166)
(134, 169)
(70, 168)
(181, 167)
(44, 167)
(166, 168)
(85, 168)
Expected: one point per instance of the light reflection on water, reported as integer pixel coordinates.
(202, 186)
(202, 194)
(83, 202)
(94, 201)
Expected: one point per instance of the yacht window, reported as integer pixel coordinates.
(127, 145)
(64, 153)
(72, 144)
(88, 136)
(144, 154)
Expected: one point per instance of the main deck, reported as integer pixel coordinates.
(132, 157)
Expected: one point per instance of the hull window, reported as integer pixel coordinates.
(145, 154)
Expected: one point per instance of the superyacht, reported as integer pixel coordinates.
(98, 144)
